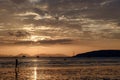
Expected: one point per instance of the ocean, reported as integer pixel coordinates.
(60, 69)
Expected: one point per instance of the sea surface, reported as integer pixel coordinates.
(60, 69)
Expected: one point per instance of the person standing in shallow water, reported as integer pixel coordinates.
(16, 69)
(16, 64)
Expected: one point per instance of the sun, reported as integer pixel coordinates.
(34, 38)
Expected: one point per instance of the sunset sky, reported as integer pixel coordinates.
(58, 26)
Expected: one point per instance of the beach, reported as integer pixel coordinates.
(48, 70)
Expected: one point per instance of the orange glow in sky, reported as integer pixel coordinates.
(34, 27)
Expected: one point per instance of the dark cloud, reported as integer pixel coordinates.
(40, 12)
(46, 42)
(115, 35)
(57, 41)
(109, 11)
(24, 43)
(81, 19)
(18, 1)
(19, 33)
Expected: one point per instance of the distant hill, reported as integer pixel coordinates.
(100, 53)
(23, 55)
(51, 55)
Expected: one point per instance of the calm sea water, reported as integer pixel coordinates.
(60, 69)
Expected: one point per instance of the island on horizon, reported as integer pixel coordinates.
(100, 53)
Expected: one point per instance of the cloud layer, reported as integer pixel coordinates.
(55, 21)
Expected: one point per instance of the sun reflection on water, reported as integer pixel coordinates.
(35, 73)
